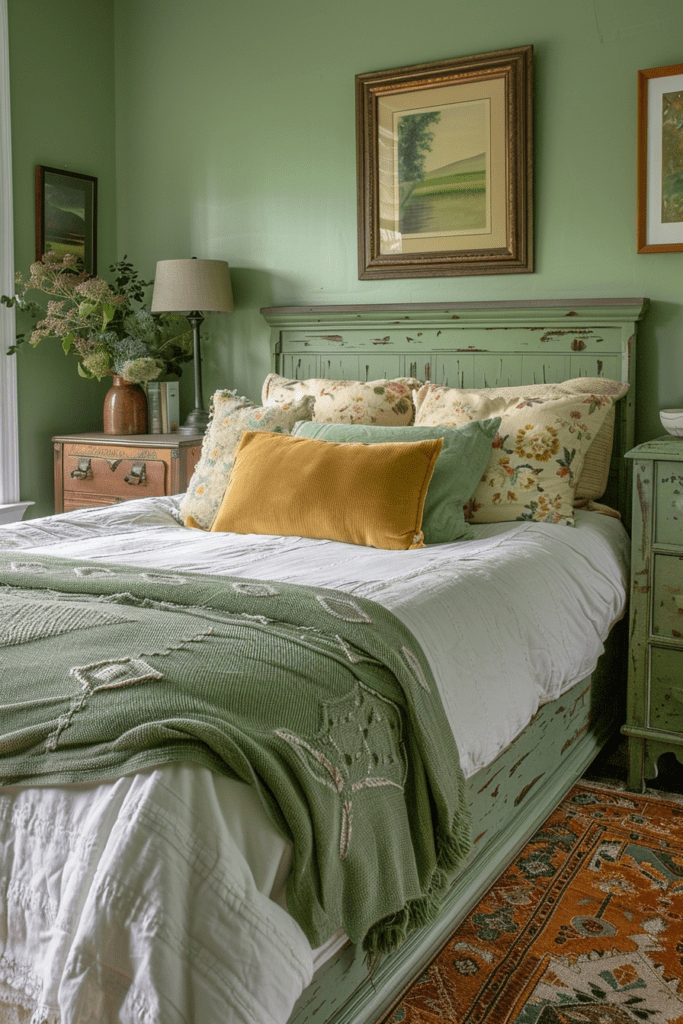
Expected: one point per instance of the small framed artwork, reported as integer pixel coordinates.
(66, 214)
(660, 159)
(445, 167)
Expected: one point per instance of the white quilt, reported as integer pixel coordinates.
(157, 898)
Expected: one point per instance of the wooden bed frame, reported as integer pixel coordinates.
(491, 344)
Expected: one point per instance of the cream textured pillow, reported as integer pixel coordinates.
(537, 455)
(594, 475)
(231, 415)
(382, 402)
(370, 494)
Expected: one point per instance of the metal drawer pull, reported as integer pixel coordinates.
(113, 463)
(83, 471)
(138, 474)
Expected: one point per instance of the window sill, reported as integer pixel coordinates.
(14, 511)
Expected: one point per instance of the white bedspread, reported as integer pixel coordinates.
(155, 898)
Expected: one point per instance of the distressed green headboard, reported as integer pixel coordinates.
(470, 345)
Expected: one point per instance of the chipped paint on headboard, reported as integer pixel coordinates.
(470, 345)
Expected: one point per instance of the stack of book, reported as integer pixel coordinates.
(163, 406)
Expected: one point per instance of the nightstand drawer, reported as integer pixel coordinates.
(669, 504)
(89, 474)
(666, 690)
(72, 501)
(102, 469)
(667, 598)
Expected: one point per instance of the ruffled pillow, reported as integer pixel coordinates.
(383, 402)
(594, 475)
(537, 455)
(231, 415)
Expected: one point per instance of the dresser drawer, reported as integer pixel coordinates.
(669, 504)
(666, 690)
(667, 596)
(89, 473)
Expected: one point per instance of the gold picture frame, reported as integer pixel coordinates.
(660, 159)
(445, 167)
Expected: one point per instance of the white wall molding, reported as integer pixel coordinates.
(9, 428)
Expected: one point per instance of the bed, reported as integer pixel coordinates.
(517, 768)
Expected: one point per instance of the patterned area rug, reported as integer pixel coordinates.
(585, 927)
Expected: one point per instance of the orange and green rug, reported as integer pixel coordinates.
(585, 926)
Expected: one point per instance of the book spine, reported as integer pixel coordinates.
(173, 404)
(154, 407)
(164, 408)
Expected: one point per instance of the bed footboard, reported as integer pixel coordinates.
(510, 799)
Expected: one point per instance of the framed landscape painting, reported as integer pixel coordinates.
(66, 214)
(445, 167)
(660, 159)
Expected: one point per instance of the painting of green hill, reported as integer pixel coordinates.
(449, 198)
(472, 165)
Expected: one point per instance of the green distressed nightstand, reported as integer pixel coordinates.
(654, 720)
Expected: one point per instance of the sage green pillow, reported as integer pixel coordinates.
(459, 468)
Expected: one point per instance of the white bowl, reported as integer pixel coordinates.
(672, 421)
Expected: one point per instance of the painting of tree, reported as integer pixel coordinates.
(414, 142)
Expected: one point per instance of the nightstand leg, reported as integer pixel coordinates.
(636, 764)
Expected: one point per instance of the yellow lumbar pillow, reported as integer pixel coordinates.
(370, 494)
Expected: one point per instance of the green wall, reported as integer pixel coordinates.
(62, 99)
(235, 139)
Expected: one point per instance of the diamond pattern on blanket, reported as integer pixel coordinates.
(28, 567)
(107, 675)
(343, 608)
(169, 578)
(254, 589)
(92, 571)
(34, 620)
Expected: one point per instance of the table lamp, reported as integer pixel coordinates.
(191, 286)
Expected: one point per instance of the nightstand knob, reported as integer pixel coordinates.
(138, 473)
(83, 470)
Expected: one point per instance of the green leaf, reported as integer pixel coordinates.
(84, 373)
(67, 342)
(107, 315)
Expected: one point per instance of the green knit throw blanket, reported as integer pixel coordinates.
(322, 701)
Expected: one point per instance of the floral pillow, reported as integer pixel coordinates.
(383, 402)
(594, 475)
(537, 455)
(231, 415)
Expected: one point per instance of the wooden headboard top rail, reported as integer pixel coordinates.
(470, 345)
(571, 307)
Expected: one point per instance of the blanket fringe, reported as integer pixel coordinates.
(391, 931)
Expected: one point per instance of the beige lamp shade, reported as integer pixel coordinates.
(181, 286)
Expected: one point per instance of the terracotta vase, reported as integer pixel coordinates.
(125, 408)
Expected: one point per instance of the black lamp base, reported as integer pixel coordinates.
(196, 422)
